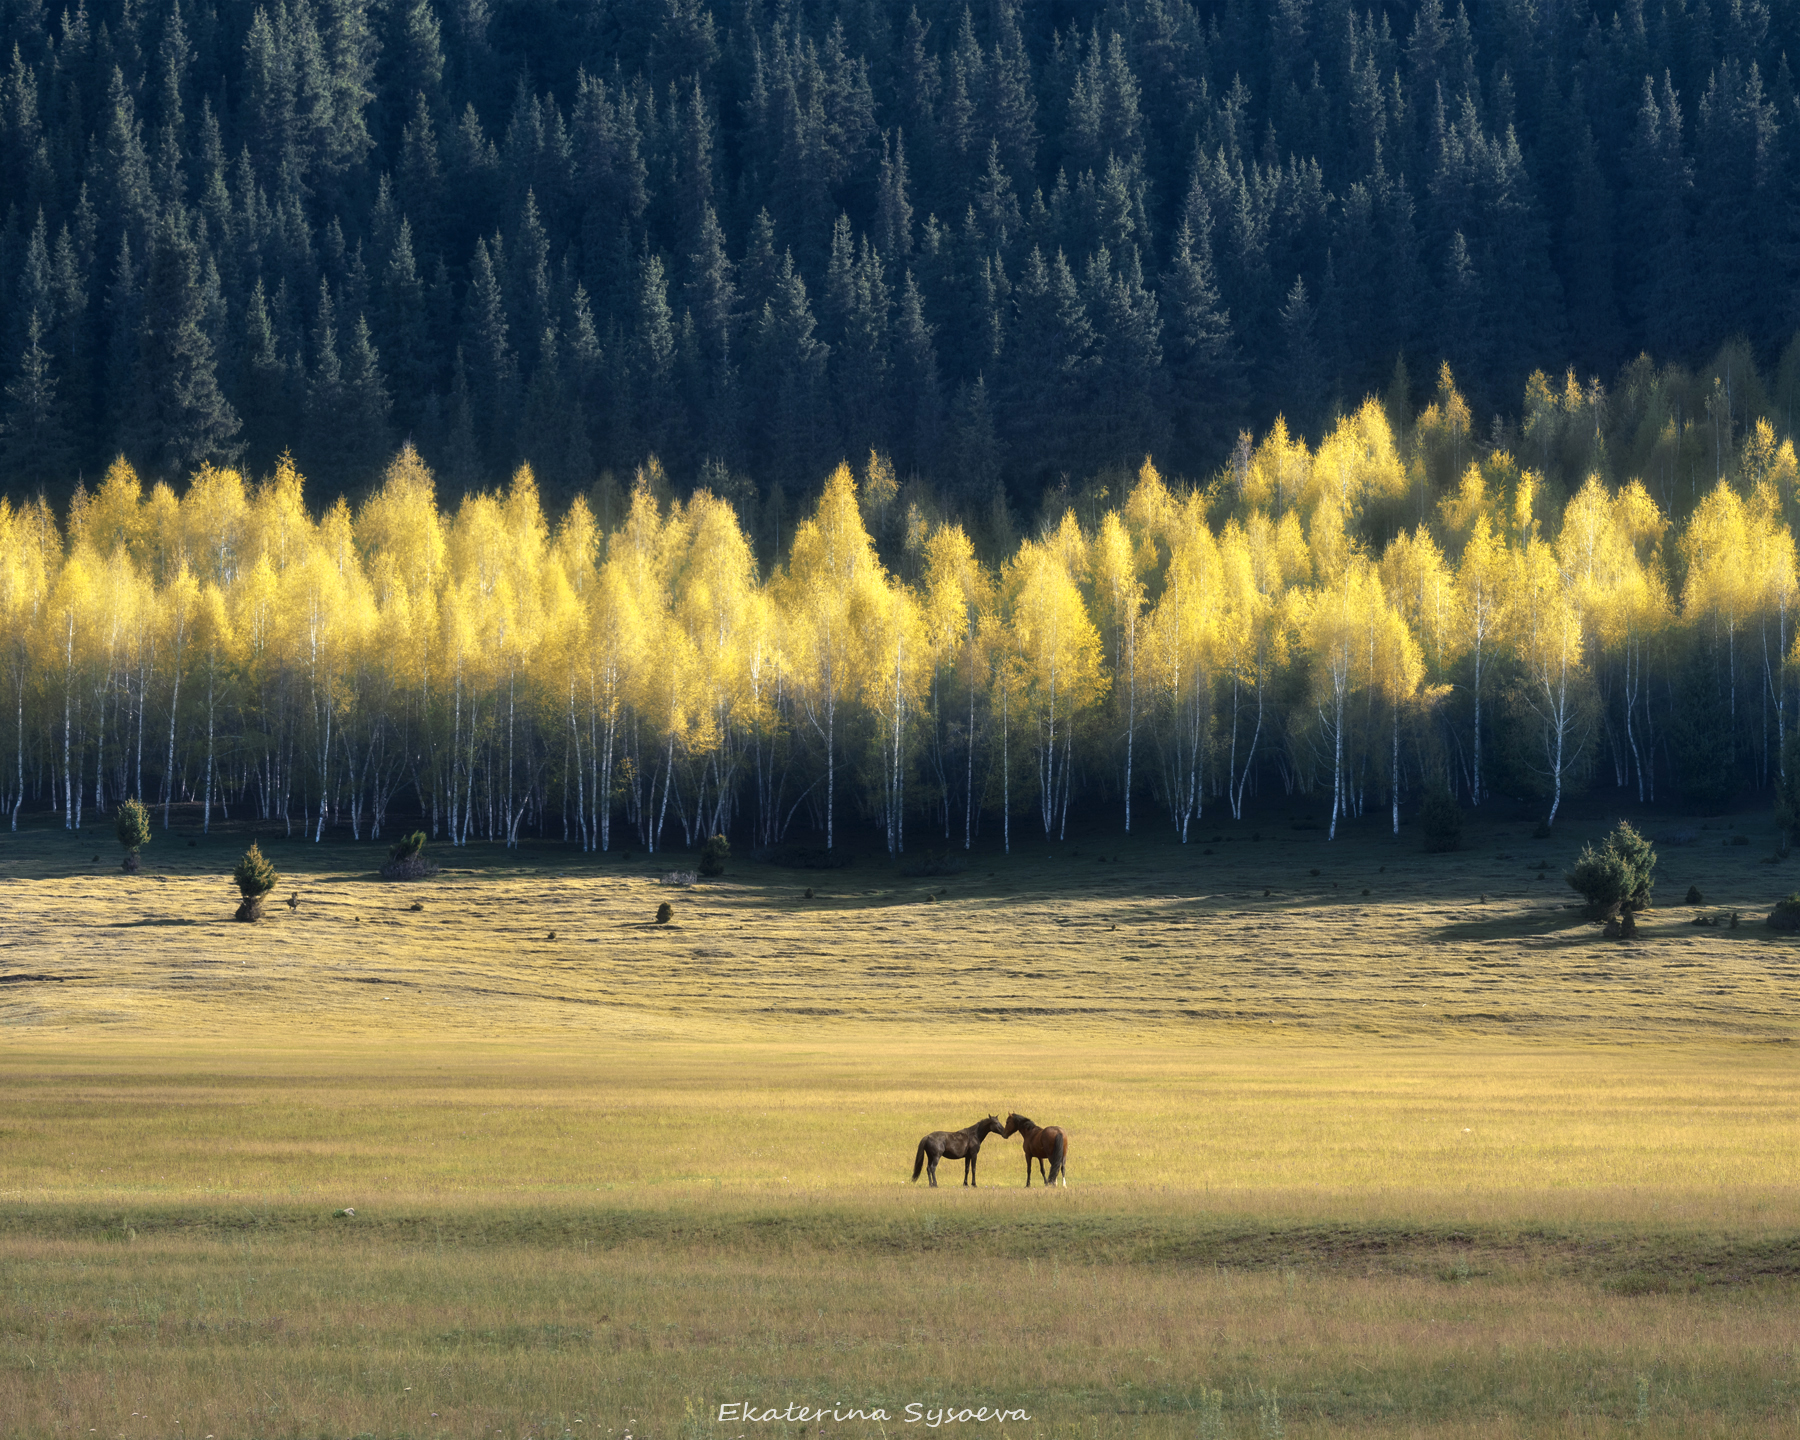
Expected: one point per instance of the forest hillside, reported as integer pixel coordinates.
(1003, 244)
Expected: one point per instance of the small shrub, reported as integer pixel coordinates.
(1441, 819)
(1616, 877)
(406, 859)
(132, 826)
(1786, 914)
(809, 894)
(1694, 897)
(1738, 840)
(1733, 922)
(255, 877)
(713, 855)
(665, 912)
(1543, 831)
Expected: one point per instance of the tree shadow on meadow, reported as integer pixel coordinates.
(1561, 926)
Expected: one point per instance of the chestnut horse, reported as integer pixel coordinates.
(963, 1145)
(1042, 1142)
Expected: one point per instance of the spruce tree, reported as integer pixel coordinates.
(1305, 387)
(34, 437)
(790, 382)
(1205, 373)
(368, 440)
(918, 391)
(179, 418)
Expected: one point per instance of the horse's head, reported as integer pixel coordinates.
(991, 1126)
(1014, 1124)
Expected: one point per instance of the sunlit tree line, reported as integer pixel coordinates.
(1328, 622)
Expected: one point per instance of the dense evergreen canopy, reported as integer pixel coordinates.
(1003, 243)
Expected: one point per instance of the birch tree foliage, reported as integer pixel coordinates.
(1554, 694)
(1182, 633)
(821, 590)
(1335, 628)
(1057, 670)
(959, 593)
(224, 646)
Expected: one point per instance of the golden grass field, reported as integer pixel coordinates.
(1430, 1161)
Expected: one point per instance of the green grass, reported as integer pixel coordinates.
(1411, 1163)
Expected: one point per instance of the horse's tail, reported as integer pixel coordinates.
(919, 1162)
(1062, 1156)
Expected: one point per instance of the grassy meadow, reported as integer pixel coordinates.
(1433, 1159)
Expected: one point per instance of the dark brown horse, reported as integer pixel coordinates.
(963, 1145)
(1042, 1143)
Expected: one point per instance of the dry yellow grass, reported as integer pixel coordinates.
(1154, 936)
(1416, 1163)
(1705, 1134)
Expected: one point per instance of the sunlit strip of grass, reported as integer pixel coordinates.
(1699, 1136)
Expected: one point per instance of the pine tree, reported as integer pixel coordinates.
(328, 451)
(1129, 389)
(179, 418)
(368, 441)
(790, 381)
(262, 390)
(1662, 181)
(1205, 373)
(493, 371)
(403, 329)
(1305, 385)
(34, 439)
(975, 446)
(1048, 361)
(918, 390)
(894, 213)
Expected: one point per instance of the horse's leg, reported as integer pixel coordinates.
(931, 1167)
(1028, 1170)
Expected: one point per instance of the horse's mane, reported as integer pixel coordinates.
(1025, 1122)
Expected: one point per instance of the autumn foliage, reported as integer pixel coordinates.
(1333, 622)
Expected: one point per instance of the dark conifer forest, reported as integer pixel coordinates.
(1004, 244)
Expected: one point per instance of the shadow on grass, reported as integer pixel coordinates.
(1628, 1259)
(1568, 927)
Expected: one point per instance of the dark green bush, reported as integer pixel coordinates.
(1441, 819)
(1786, 914)
(665, 912)
(132, 826)
(1616, 877)
(254, 875)
(713, 855)
(255, 878)
(1694, 897)
(406, 859)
